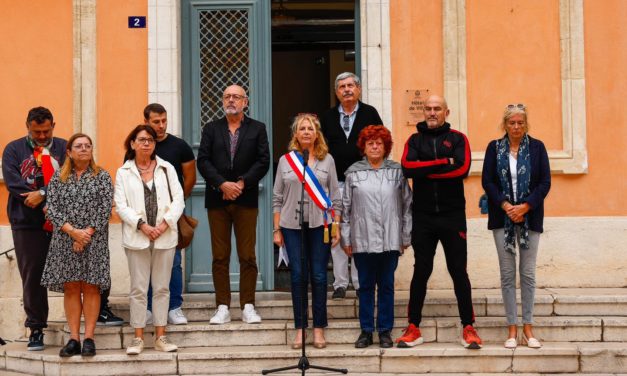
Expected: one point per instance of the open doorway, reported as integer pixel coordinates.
(312, 42)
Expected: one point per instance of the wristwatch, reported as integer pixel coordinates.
(42, 192)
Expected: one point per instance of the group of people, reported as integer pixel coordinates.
(341, 159)
(358, 209)
(59, 207)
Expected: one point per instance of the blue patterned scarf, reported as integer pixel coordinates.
(523, 165)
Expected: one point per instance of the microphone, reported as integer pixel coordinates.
(305, 157)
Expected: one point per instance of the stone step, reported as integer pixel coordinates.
(346, 331)
(554, 357)
(438, 303)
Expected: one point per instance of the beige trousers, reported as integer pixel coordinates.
(149, 267)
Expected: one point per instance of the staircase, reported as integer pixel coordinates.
(583, 331)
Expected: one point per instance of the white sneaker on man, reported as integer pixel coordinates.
(177, 317)
(148, 317)
(249, 315)
(221, 316)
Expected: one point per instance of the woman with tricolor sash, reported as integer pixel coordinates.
(321, 214)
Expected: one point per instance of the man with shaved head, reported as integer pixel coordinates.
(233, 157)
(437, 159)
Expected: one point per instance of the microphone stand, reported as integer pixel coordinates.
(303, 362)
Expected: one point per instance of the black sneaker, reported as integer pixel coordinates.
(36, 340)
(364, 340)
(107, 318)
(385, 339)
(339, 293)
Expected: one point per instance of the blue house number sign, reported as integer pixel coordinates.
(137, 22)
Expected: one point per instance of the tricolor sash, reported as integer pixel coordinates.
(48, 166)
(314, 190)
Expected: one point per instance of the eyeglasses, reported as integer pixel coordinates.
(145, 141)
(235, 97)
(520, 106)
(81, 146)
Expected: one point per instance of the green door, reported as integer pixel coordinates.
(225, 42)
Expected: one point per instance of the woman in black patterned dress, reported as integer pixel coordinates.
(79, 207)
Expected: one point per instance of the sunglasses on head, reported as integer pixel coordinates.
(516, 105)
(307, 114)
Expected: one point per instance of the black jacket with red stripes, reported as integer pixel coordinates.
(437, 160)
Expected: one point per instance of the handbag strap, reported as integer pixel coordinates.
(168, 181)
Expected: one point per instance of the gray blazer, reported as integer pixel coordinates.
(376, 208)
(287, 188)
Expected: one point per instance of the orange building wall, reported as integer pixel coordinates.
(510, 62)
(36, 63)
(122, 77)
(416, 57)
(513, 55)
(35, 69)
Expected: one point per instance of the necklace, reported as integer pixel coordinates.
(144, 170)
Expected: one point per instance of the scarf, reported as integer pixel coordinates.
(47, 164)
(523, 165)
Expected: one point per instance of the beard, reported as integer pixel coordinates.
(232, 111)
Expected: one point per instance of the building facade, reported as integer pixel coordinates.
(564, 59)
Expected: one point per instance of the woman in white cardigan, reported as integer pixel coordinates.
(149, 200)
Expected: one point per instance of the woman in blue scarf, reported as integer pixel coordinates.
(517, 177)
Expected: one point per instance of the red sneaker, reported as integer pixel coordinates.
(470, 338)
(410, 338)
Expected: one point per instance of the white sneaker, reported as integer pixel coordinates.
(136, 347)
(221, 316)
(162, 344)
(176, 317)
(148, 317)
(249, 315)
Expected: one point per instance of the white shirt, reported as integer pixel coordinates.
(351, 119)
(514, 174)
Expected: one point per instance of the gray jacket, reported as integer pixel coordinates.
(376, 215)
(287, 188)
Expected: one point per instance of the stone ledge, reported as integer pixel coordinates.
(603, 357)
(554, 357)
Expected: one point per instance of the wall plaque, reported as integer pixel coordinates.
(413, 104)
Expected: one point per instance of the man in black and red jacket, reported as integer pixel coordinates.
(437, 159)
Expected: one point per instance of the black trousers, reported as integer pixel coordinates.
(104, 299)
(31, 249)
(427, 231)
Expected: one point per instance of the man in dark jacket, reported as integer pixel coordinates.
(341, 126)
(233, 157)
(437, 159)
(27, 166)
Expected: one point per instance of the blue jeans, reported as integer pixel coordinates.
(316, 259)
(176, 284)
(376, 270)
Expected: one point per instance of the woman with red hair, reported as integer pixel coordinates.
(375, 229)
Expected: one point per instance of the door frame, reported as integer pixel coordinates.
(260, 106)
